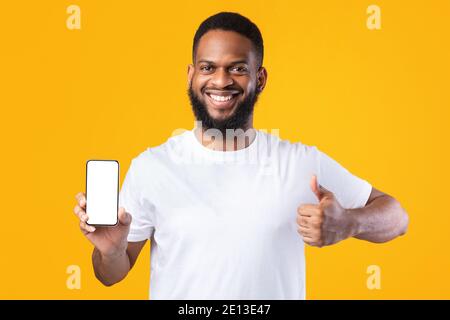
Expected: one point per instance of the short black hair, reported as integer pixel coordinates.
(231, 21)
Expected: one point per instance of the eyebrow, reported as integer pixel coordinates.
(233, 62)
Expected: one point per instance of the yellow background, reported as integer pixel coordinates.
(377, 101)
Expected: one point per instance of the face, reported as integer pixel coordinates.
(225, 80)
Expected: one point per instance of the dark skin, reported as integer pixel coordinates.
(226, 64)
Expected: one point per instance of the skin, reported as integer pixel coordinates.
(225, 61)
(380, 220)
(215, 69)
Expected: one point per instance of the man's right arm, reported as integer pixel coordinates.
(112, 268)
(113, 256)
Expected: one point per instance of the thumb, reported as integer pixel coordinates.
(124, 217)
(318, 190)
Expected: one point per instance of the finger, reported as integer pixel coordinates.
(85, 232)
(81, 198)
(319, 190)
(314, 187)
(304, 231)
(78, 211)
(311, 242)
(323, 190)
(303, 221)
(84, 217)
(86, 228)
(308, 240)
(307, 209)
(124, 217)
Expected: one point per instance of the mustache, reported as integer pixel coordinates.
(237, 120)
(231, 90)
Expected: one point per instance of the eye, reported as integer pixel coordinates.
(239, 69)
(206, 68)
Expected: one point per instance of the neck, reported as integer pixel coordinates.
(231, 140)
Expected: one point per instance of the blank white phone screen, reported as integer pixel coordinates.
(102, 186)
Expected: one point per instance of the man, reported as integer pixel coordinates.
(228, 214)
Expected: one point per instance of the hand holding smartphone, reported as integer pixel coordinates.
(102, 192)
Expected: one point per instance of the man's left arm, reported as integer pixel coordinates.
(380, 220)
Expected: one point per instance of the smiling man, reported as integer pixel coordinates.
(228, 208)
(227, 74)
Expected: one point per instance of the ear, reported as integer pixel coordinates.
(261, 79)
(190, 74)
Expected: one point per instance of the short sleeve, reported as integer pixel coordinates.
(142, 226)
(350, 190)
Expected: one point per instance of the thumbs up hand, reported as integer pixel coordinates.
(325, 223)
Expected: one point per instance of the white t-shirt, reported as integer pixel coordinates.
(223, 225)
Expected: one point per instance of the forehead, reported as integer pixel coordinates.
(222, 46)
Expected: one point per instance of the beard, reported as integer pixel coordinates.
(237, 120)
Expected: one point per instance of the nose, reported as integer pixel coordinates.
(221, 78)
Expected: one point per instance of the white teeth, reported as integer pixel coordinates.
(220, 98)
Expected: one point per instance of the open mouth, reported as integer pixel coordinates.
(222, 100)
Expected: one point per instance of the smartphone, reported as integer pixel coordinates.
(102, 192)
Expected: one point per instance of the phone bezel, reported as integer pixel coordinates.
(117, 204)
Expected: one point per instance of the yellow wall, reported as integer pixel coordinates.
(375, 100)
